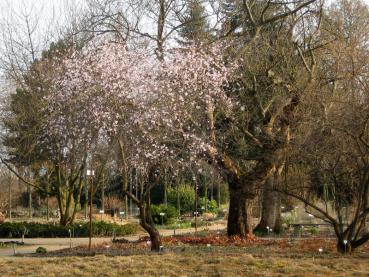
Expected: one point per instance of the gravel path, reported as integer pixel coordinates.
(53, 244)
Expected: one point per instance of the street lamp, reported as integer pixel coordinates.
(196, 202)
(43, 172)
(70, 239)
(90, 173)
(345, 244)
(162, 217)
(121, 215)
(101, 212)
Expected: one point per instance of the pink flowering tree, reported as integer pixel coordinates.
(154, 111)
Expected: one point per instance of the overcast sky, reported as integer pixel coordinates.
(45, 17)
(49, 12)
(50, 15)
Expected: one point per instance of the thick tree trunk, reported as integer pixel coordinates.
(155, 238)
(271, 209)
(240, 214)
(243, 190)
(68, 209)
(65, 220)
(344, 248)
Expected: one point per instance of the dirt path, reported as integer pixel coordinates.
(52, 244)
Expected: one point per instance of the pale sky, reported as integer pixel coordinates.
(45, 17)
(51, 14)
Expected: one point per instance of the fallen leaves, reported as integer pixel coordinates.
(212, 239)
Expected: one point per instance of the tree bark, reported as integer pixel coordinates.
(344, 248)
(240, 214)
(68, 209)
(271, 208)
(65, 220)
(242, 190)
(147, 223)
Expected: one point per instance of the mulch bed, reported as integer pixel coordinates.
(213, 242)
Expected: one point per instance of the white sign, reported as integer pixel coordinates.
(101, 211)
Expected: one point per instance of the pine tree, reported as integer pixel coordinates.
(195, 25)
(231, 10)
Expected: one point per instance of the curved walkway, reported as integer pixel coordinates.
(52, 244)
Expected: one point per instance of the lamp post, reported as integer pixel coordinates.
(70, 239)
(196, 203)
(86, 193)
(90, 173)
(103, 194)
(345, 244)
(10, 198)
(43, 173)
(101, 212)
(162, 218)
(121, 215)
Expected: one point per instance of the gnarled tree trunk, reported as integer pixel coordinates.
(242, 190)
(147, 223)
(344, 248)
(240, 214)
(271, 208)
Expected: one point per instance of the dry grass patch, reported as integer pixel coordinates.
(196, 256)
(184, 264)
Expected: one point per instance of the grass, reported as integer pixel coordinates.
(3, 245)
(186, 224)
(176, 225)
(188, 263)
(199, 258)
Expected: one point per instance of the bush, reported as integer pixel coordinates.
(200, 223)
(170, 213)
(41, 250)
(224, 193)
(313, 230)
(222, 213)
(39, 230)
(212, 205)
(186, 197)
(105, 229)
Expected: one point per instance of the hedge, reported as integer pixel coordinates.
(186, 194)
(41, 230)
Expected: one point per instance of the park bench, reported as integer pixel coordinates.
(11, 242)
(298, 227)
